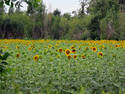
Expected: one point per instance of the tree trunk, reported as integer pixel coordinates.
(1, 11)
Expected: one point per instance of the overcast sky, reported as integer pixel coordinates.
(62, 5)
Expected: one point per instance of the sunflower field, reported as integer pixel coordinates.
(62, 67)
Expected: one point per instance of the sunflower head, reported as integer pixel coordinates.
(50, 46)
(60, 50)
(86, 48)
(117, 46)
(36, 58)
(74, 56)
(100, 54)
(83, 56)
(94, 49)
(17, 47)
(32, 46)
(67, 52)
(72, 47)
(17, 55)
(29, 48)
(73, 50)
(5, 47)
(69, 56)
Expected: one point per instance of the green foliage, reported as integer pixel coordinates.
(33, 5)
(1, 4)
(120, 28)
(54, 72)
(3, 63)
(102, 20)
(102, 10)
(56, 13)
(17, 25)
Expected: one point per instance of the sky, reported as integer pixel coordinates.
(63, 5)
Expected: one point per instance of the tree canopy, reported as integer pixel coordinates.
(96, 19)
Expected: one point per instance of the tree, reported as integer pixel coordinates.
(122, 5)
(102, 10)
(33, 6)
(56, 12)
(83, 9)
(67, 15)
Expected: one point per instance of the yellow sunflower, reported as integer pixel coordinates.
(74, 56)
(17, 55)
(94, 49)
(72, 47)
(50, 46)
(73, 50)
(29, 48)
(60, 50)
(117, 46)
(36, 58)
(17, 47)
(86, 48)
(100, 54)
(83, 56)
(67, 52)
(69, 56)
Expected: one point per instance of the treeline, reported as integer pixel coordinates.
(102, 19)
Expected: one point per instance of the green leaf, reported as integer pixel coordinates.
(120, 91)
(38, 0)
(5, 56)
(103, 92)
(11, 4)
(1, 51)
(1, 4)
(5, 63)
(7, 2)
(1, 57)
(2, 68)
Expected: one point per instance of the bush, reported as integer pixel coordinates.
(17, 25)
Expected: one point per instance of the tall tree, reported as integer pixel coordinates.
(56, 12)
(1, 7)
(102, 9)
(83, 4)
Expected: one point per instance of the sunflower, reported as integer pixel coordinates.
(29, 48)
(74, 51)
(117, 46)
(100, 54)
(69, 56)
(5, 47)
(83, 56)
(32, 46)
(74, 56)
(94, 49)
(60, 50)
(86, 48)
(72, 47)
(50, 46)
(17, 55)
(17, 47)
(36, 58)
(67, 52)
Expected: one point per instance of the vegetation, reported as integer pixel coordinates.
(68, 64)
(64, 67)
(102, 19)
(3, 63)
